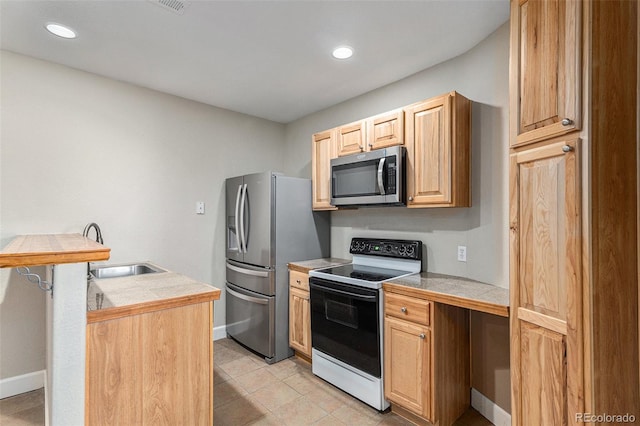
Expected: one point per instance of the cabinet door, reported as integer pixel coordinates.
(545, 64)
(351, 138)
(299, 321)
(546, 284)
(407, 366)
(385, 130)
(323, 150)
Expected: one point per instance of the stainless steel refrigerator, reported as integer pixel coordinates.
(269, 223)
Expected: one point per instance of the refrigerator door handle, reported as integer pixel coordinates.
(236, 218)
(248, 271)
(243, 237)
(247, 298)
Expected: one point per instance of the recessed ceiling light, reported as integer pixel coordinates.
(60, 30)
(342, 52)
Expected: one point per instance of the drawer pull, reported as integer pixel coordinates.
(567, 121)
(422, 336)
(298, 281)
(403, 310)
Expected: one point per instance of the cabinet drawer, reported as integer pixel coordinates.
(299, 280)
(407, 308)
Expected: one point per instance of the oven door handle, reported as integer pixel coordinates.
(343, 293)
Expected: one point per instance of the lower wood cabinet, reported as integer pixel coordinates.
(299, 314)
(426, 358)
(151, 368)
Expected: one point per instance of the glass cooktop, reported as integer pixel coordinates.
(366, 273)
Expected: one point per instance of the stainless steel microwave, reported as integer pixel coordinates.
(369, 178)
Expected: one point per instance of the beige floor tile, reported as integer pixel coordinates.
(227, 392)
(300, 412)
(303, 382)
(284, 369)
(22, 402)
(239, 412)
(256, 379)
(242, 365)
(351, 416)
(275, 395)
(219, 376)
(269, 419)
(328, 420)
(325, 399)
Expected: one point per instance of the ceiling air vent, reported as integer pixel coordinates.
(175, 6)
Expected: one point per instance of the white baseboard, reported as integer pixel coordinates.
(219, 332)
(16, 385)
(489, 409)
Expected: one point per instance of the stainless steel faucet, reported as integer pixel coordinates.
(95, 226)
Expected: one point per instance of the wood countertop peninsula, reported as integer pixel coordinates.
(51, 249)
(139, 294)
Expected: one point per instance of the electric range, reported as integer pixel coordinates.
(347, 313)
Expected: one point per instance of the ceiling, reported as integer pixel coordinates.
(270, 59)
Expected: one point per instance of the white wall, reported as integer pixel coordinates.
(482, 75)
(77, 148)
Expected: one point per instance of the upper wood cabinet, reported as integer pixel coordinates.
(438, 139)
(545, 69)
(323, 149)
(385, 130)
(351, 138)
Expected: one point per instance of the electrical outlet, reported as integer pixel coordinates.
(200, 207)
(462, 253)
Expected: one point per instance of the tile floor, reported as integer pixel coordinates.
(247, 391)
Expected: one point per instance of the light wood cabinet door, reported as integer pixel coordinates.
(438, 142)
(545, 69)
(385, 130)
(351, 138)
(407, 364)
(323, 149)
(299, 321)
(546, 289)
(151, 368)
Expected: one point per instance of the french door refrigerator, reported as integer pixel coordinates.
(269, 223)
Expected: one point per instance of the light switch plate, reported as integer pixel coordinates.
(462, 253)
(200, 207)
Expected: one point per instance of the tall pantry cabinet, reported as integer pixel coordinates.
(573, 211)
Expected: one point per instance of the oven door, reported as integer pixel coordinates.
(345, 323)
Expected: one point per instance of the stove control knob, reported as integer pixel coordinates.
(410, 250)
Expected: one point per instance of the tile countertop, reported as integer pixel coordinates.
(138, 294)
(307, 265)
(456, 291)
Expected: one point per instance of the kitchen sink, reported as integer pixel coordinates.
(126, 270)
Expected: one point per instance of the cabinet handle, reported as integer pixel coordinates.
(403, 310)
(567, 121)
(298, 281)
(567, 148)
(370, 145)
(410, 198)
(361, 147)
(422, 336)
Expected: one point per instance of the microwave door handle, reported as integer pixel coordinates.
(243, 237)
(380, 180)
(236, 218)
